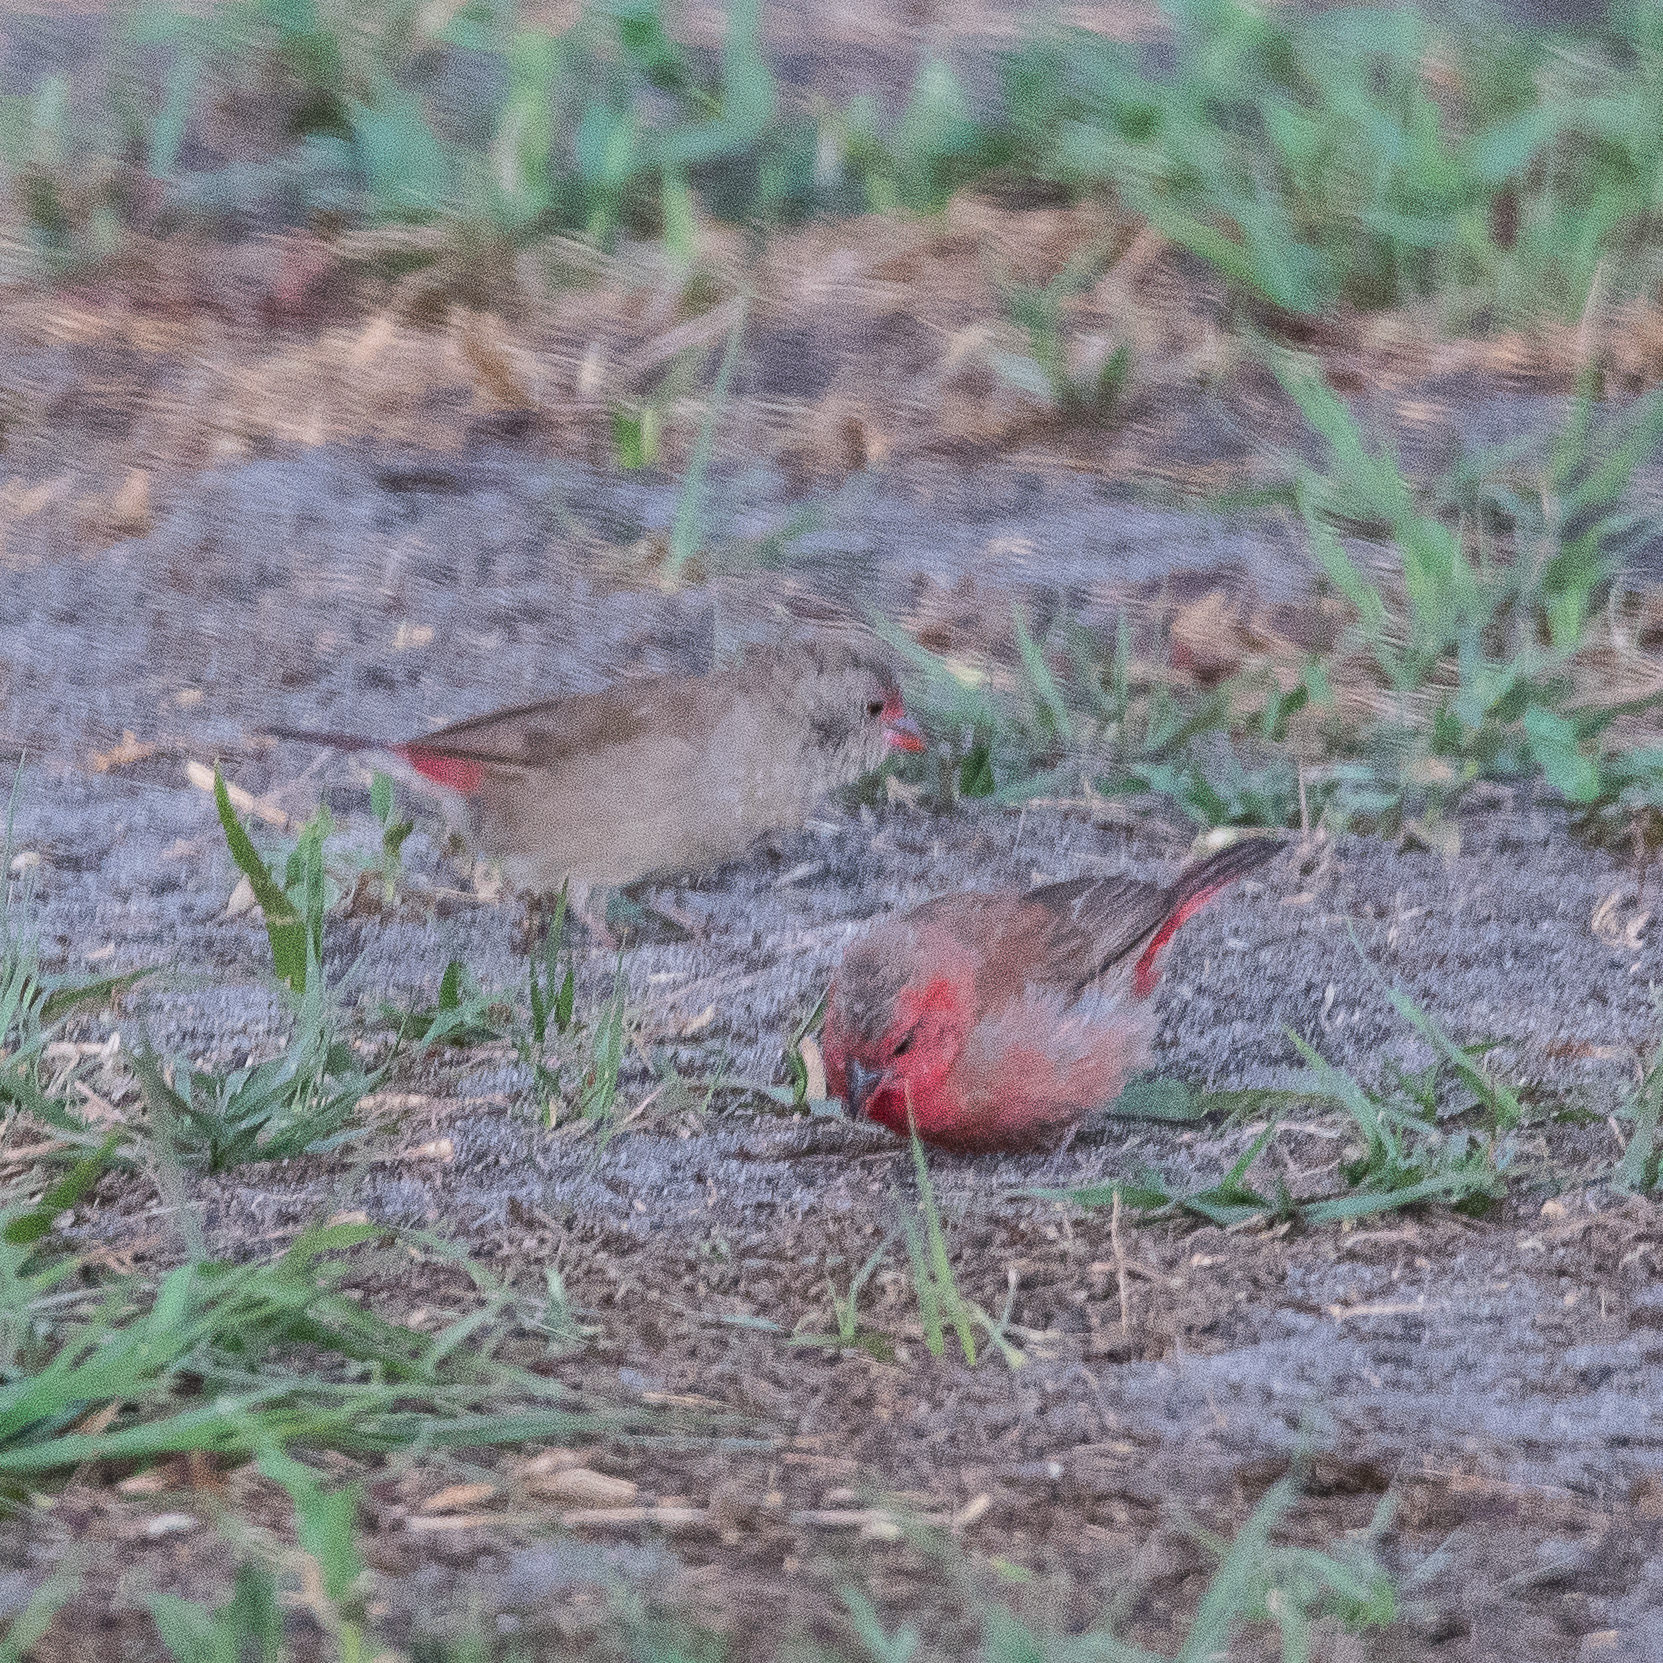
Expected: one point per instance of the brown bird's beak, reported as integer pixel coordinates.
(900, 732)
(862, 1082)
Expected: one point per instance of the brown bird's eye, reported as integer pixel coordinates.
(875, 707)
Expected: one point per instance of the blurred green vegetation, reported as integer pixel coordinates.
(1362, 156)
(1485, 639)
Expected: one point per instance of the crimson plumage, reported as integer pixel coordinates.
(995, 1021)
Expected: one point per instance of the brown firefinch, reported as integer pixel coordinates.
(997, 1021)
(657, 776)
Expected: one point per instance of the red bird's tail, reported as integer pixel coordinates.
(1196, 886)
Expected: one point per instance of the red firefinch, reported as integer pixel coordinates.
(656, 776)
(997, 1021)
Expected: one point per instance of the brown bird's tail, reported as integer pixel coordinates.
(455, 771)
(1195, 887)
(335, 741)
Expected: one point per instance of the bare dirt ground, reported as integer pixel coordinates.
(1497, 1376)
(230, 498)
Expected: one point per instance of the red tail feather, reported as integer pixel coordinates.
(1193, 890)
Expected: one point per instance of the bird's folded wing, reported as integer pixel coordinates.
(1062, 937)
(1099, 922)
(544, 734)
(1092, 924)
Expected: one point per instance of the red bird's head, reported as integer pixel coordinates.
(900, 1009)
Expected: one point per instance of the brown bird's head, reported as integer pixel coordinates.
(847, 706)
(899, 1011)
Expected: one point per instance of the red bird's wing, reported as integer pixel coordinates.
(1091, 925)
(1100, 922)
(1062, 937)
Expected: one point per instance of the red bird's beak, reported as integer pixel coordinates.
(900, 732)
(861, 1083)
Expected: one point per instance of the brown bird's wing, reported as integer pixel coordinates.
(543, 734)
(1092, 925)
(671, 707)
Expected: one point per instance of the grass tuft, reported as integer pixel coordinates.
(940, 1303)
(1445, 1135)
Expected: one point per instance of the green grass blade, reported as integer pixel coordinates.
(1044, 683)
(1226, 1601)
(1502, 1102)
(939, 1266)
(1336, 1083)
(191, 1632)
(285, 928)
(687, 529)
(925, 1289)
(29, 1627)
